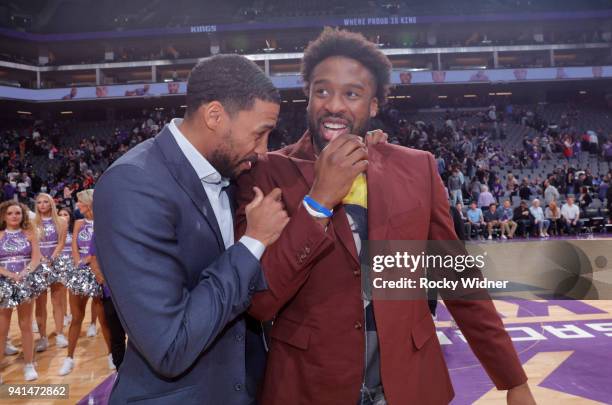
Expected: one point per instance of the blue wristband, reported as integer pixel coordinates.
(317, 207)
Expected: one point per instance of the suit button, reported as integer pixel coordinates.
(252, 287)
(239, 337)
(307, 249)
(237, 387)
(357, 325)
(356, 273)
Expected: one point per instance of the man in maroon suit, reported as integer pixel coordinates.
(329, 344)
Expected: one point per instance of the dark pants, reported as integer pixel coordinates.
(573, 229)
(117, 334)
(556, 226)
(524, 227)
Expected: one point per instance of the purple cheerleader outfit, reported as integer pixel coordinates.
(67, 251)
(82, 280)
(15, 256)
(49, 238)
(84, 238)
(15, 251)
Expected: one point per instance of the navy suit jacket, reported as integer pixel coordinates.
(179, 293)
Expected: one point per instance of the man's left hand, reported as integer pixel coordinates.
(376, 136)
(520, 395)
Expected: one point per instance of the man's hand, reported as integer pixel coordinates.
(376, 136)
(266, 216)
(520, 395)
(336, 168)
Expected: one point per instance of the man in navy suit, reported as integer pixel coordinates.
(165, 243)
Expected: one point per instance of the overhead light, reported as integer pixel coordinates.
(168, 80)
(402, 96)
(285, 101)
(442, 96)
(470, 95)
(66, 112)
(183, 106)
(159, 109)
(24, 112)
(301, 100)
(491, 94)
(504, 94)
(583, 92)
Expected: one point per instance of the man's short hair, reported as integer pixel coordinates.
(232, 80)
(335, 42)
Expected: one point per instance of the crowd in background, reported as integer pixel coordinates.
(475, 159)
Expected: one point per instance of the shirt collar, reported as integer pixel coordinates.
(205, 171)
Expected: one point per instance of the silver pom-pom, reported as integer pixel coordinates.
(7, 289)
(61, 267)
(81, 281)
(36, 282)
(15, 293)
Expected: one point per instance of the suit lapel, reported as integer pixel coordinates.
(302, 155)
(186, 177)
(379, 196)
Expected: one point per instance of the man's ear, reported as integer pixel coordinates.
(212, 114)
(373, 107)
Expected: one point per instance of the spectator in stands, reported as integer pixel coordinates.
(570, 183)
(511, 185)
(475, 187)
(550, 193)
(571, 216)
(8, 190)
(524, 189)
(593, 142)
(523, 218)
(539, 220)
(603, 187)
(498, 189)
(454, 187)
(607, 150)
(553, 214)
(485, 199)
(493, 219)
(507, 223)
(584, 200)
(476, 220)
(467, 227)
(458, 224)
(568, 148)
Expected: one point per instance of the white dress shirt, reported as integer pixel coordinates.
(214, 186)
(570, 213)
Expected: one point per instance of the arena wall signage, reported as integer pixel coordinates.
(310, 22)
(398, 77)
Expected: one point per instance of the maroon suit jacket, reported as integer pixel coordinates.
(314, 289)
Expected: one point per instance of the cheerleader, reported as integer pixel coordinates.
(19, 254)
(66, 254)
(52, 230)
(81, 244)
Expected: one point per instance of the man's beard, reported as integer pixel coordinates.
(315, 126)
(228, 164)
(224, 164)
